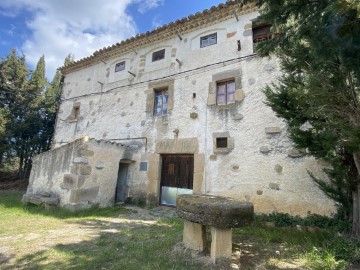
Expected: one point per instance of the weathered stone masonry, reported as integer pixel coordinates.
(240, 149)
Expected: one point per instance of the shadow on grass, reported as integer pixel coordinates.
(128, 245)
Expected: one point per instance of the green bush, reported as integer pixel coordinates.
(314, 220)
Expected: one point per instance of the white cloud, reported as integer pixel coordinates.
(156, 22)
(145, 5)
(78, 27)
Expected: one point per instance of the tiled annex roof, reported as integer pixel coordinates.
(168, 31)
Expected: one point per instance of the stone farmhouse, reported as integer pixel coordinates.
(177, 110)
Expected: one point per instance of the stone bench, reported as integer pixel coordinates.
(41, 199)
(221, 214)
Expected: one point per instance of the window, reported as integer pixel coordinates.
(208, 40)
(158, 55)
(120, 66)
(161, 102)
(76, 112)
(261, 33)
(225, 92)
(221, 142)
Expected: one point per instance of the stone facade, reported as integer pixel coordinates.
(257, 163)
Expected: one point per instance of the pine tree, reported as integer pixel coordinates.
(318, 45)
(28, 124)
(13, 78)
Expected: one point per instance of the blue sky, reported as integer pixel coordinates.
(56, 28)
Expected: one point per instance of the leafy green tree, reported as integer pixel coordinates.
(318, 46)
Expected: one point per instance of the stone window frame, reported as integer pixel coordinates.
(220, 149)
(229, 75)
(150, 96)
(208, 38)
(120, 66)
(158, 55)
(75, 113)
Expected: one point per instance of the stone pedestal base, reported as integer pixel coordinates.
(194, 236)
(221, 243)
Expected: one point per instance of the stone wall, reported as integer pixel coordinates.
(259, 163)
(82, 173)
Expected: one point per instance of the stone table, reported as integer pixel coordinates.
(220, 213)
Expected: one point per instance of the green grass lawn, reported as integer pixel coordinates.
(118, 238)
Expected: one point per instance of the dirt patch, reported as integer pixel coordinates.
(19, 185)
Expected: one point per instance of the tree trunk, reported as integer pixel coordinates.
(1, 159)
(356, 201)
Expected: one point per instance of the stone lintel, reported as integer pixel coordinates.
(272, 130)
(178, 146)
(194, 236)
(221, 243)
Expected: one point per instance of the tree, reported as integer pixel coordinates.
(318, 46)
(13, 78)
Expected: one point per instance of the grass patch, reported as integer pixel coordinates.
(117, 238)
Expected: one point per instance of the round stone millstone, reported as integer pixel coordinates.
(216, 211)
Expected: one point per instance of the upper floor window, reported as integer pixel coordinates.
(120, 66)
(225, 92)
(221, 142)
(208, 40)
(158, 55)
(261, 33)
(161, 101)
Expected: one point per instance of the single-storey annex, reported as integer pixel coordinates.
(177, 110)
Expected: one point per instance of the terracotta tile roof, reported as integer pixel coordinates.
(165, 32)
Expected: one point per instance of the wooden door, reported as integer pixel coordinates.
(176, 177)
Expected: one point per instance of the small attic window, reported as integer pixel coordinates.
(261, 33)
(120, 66)
(158, 55)
(208, 40)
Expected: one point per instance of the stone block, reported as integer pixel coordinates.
(251, 81)
(231, 34)
(272, 130)
(213, 157)
(83, 195)
(238, 116)
(274, 186)
(211, 99)
(264, 149)
(197, 184)
(69, 181)
(278, 168)
(248, 26)
(179, 146)
(199, 163)
(221, 243)
(81, 160)
(295, 153)
(153, 174)
(239, 95)
(194, 235)
(99, 165)
(84, 169)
